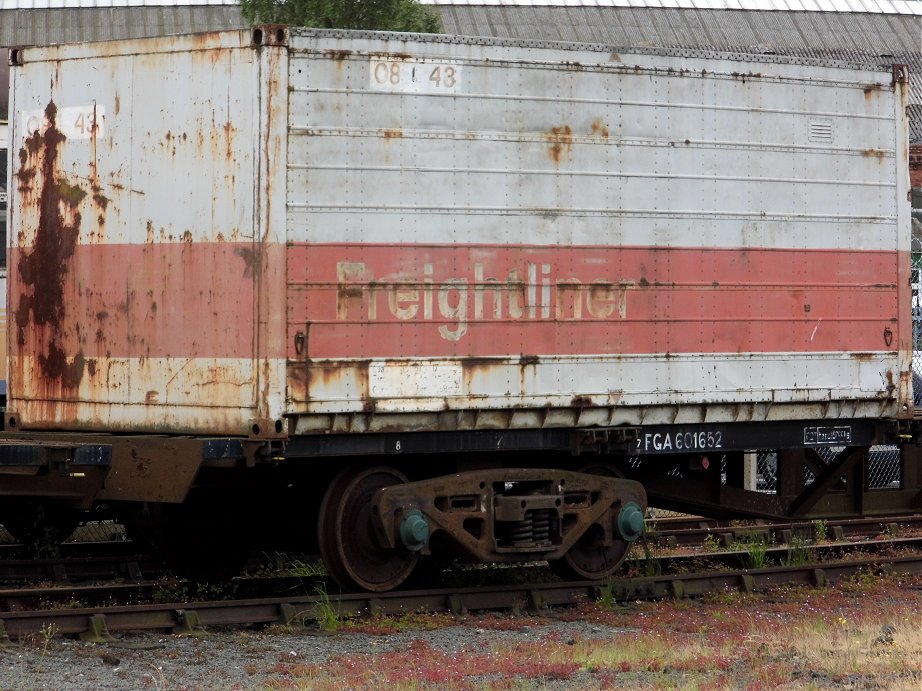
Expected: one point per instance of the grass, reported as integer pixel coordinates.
(649, 565)
(798, 552)
(863, 633)
(171, 589)
(757, 553)
(820, 530)
(756, 549)
(325, 612)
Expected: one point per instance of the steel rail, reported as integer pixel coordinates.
(99, 623)
(694, 531)
(66, 592)
(99, 560)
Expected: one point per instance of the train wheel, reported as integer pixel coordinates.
(589, 559)
(346, 532)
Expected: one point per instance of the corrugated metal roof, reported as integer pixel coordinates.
(720, 29)
(637, 25)
(104, 4)
(23, 27)
(912, 7)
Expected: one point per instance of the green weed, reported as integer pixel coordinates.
(756, 552)
(820, 527)
(711, 543)
(328, 618)
(798, 553)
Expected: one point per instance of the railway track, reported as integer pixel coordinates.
(695, 531)
(82, 561)
(30, 610)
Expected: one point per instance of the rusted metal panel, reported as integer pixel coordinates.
(549, 237)
(142, 262)
(265, 232)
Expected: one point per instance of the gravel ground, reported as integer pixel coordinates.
(233, 659)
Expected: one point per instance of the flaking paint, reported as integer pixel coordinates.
(214, 277)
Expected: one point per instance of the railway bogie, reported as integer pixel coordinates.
(401, 297)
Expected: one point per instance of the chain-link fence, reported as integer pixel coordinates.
(884, 469)
(91, 531)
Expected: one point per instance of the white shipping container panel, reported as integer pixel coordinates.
(322, 231)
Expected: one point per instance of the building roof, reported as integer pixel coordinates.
(911, 7)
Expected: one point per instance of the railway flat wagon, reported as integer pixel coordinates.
(422, 294)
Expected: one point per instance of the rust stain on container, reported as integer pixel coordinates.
(393, 134)
(599, 128)
(249, 260)
(334, 375)
(230, 132)
(391, 56)
(561, 141)
(43, 268)
(337, 55)
(874, 153)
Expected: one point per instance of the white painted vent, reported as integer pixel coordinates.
(821, 131)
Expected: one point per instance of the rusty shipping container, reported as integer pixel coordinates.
(284, 232)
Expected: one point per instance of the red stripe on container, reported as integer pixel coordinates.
(474, 301)
(184, 300)
(195, 300)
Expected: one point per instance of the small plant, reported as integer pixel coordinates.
(607, 599)
(306, 569)
(41, 640)
(757, 553)
(798, 554)
(328, 618)
(47, 633)
(277, 564)
(819, 530)
(61, 604)
(649, 566)
(171, 589)
(156, 677)
(711, 543)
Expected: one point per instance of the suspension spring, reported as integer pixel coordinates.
(534, 528)
(522, 531)
(541, 525)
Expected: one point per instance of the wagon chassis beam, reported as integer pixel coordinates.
(838, 490)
